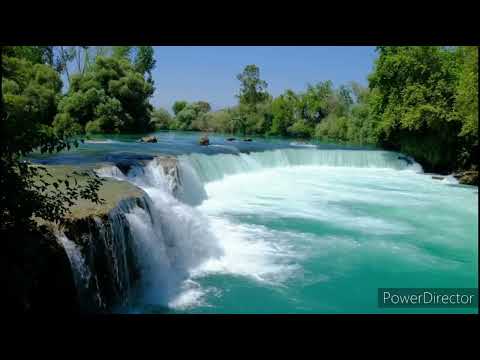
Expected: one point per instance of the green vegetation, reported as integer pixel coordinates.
(31, 90)
(110, 97)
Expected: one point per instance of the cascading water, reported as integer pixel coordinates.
(210, 168)
(296, 229)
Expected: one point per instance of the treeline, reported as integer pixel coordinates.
(420, 100)
(258, 113)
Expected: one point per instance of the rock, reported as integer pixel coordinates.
(247, 139)
(204, 140)
(35, 274)
(435, 177)
(125, 165)
(231, 139)
(469, 177)
(148, 139)
(170, 169)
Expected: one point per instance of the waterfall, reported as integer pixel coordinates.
(215, 167)
(146, 249)
(101, 251)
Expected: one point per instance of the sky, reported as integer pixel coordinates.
(208, 73)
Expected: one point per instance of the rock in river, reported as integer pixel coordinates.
(204, 140)
(148, 139)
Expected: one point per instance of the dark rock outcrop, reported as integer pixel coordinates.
(126, 165)
(148, 139)
(35, 273)
(469, 177)
(231, 139)
(107, 247)
(170, 169)
(204, 140)
(247, 139)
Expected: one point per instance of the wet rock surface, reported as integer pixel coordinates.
(469, 177)
(148, 139)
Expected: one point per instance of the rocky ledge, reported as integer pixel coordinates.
(97, 240)
(97, 244)
(469, 177)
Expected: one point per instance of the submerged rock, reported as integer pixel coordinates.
(231, 139)
(247, 139)
(204, 140)
(469, 177)
(148, 139)
(437, 177)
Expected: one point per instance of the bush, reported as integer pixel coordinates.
(300, 129)
(161, 119)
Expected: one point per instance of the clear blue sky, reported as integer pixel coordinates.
(208, 73)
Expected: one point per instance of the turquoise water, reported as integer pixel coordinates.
(323, 240)
(278, 227)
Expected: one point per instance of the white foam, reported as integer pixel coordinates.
(450, 179)
(106, 141)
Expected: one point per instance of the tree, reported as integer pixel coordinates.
(161, 119)
(112, 96)
(145, 61)
(301, 128)
(252, 88)
(413, 97)
(122, 52)
(26, 191)
(466, 104)
(315, 104)
(66, 55)
(201, 106)
(178, 106)
(186, 117)
(33, 54)
(285, 111)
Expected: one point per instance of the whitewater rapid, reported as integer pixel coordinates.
(271, 217)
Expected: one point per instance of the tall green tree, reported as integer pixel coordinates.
(466, 104)
(122, 52)
(145, 61)
(285, 111)
(253, 90)
(178, 106)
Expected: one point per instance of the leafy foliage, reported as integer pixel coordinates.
(178, 106)
(414, 102)
(161, 119)
(110, 97)
(29, 97)
(252, 88)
